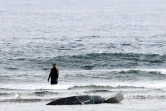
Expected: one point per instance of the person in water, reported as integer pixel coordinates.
(54, 75)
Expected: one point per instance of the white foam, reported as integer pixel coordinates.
(152, 84)
(162, 71)
(35, 87)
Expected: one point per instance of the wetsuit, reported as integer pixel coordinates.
(54, 76)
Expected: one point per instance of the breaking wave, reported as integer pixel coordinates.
(93, 61)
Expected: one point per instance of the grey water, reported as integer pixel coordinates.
(99, 46)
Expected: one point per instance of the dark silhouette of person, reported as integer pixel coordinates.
(54, 75)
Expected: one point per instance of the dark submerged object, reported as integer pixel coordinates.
(85, 99)
(74, 100)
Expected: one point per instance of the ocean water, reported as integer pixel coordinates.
(100, 47)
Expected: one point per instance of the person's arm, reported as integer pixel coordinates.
(49, 76)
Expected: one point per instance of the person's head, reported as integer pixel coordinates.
(53, 65)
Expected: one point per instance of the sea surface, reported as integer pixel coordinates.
(100, 47)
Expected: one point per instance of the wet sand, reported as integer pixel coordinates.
(125, 105)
